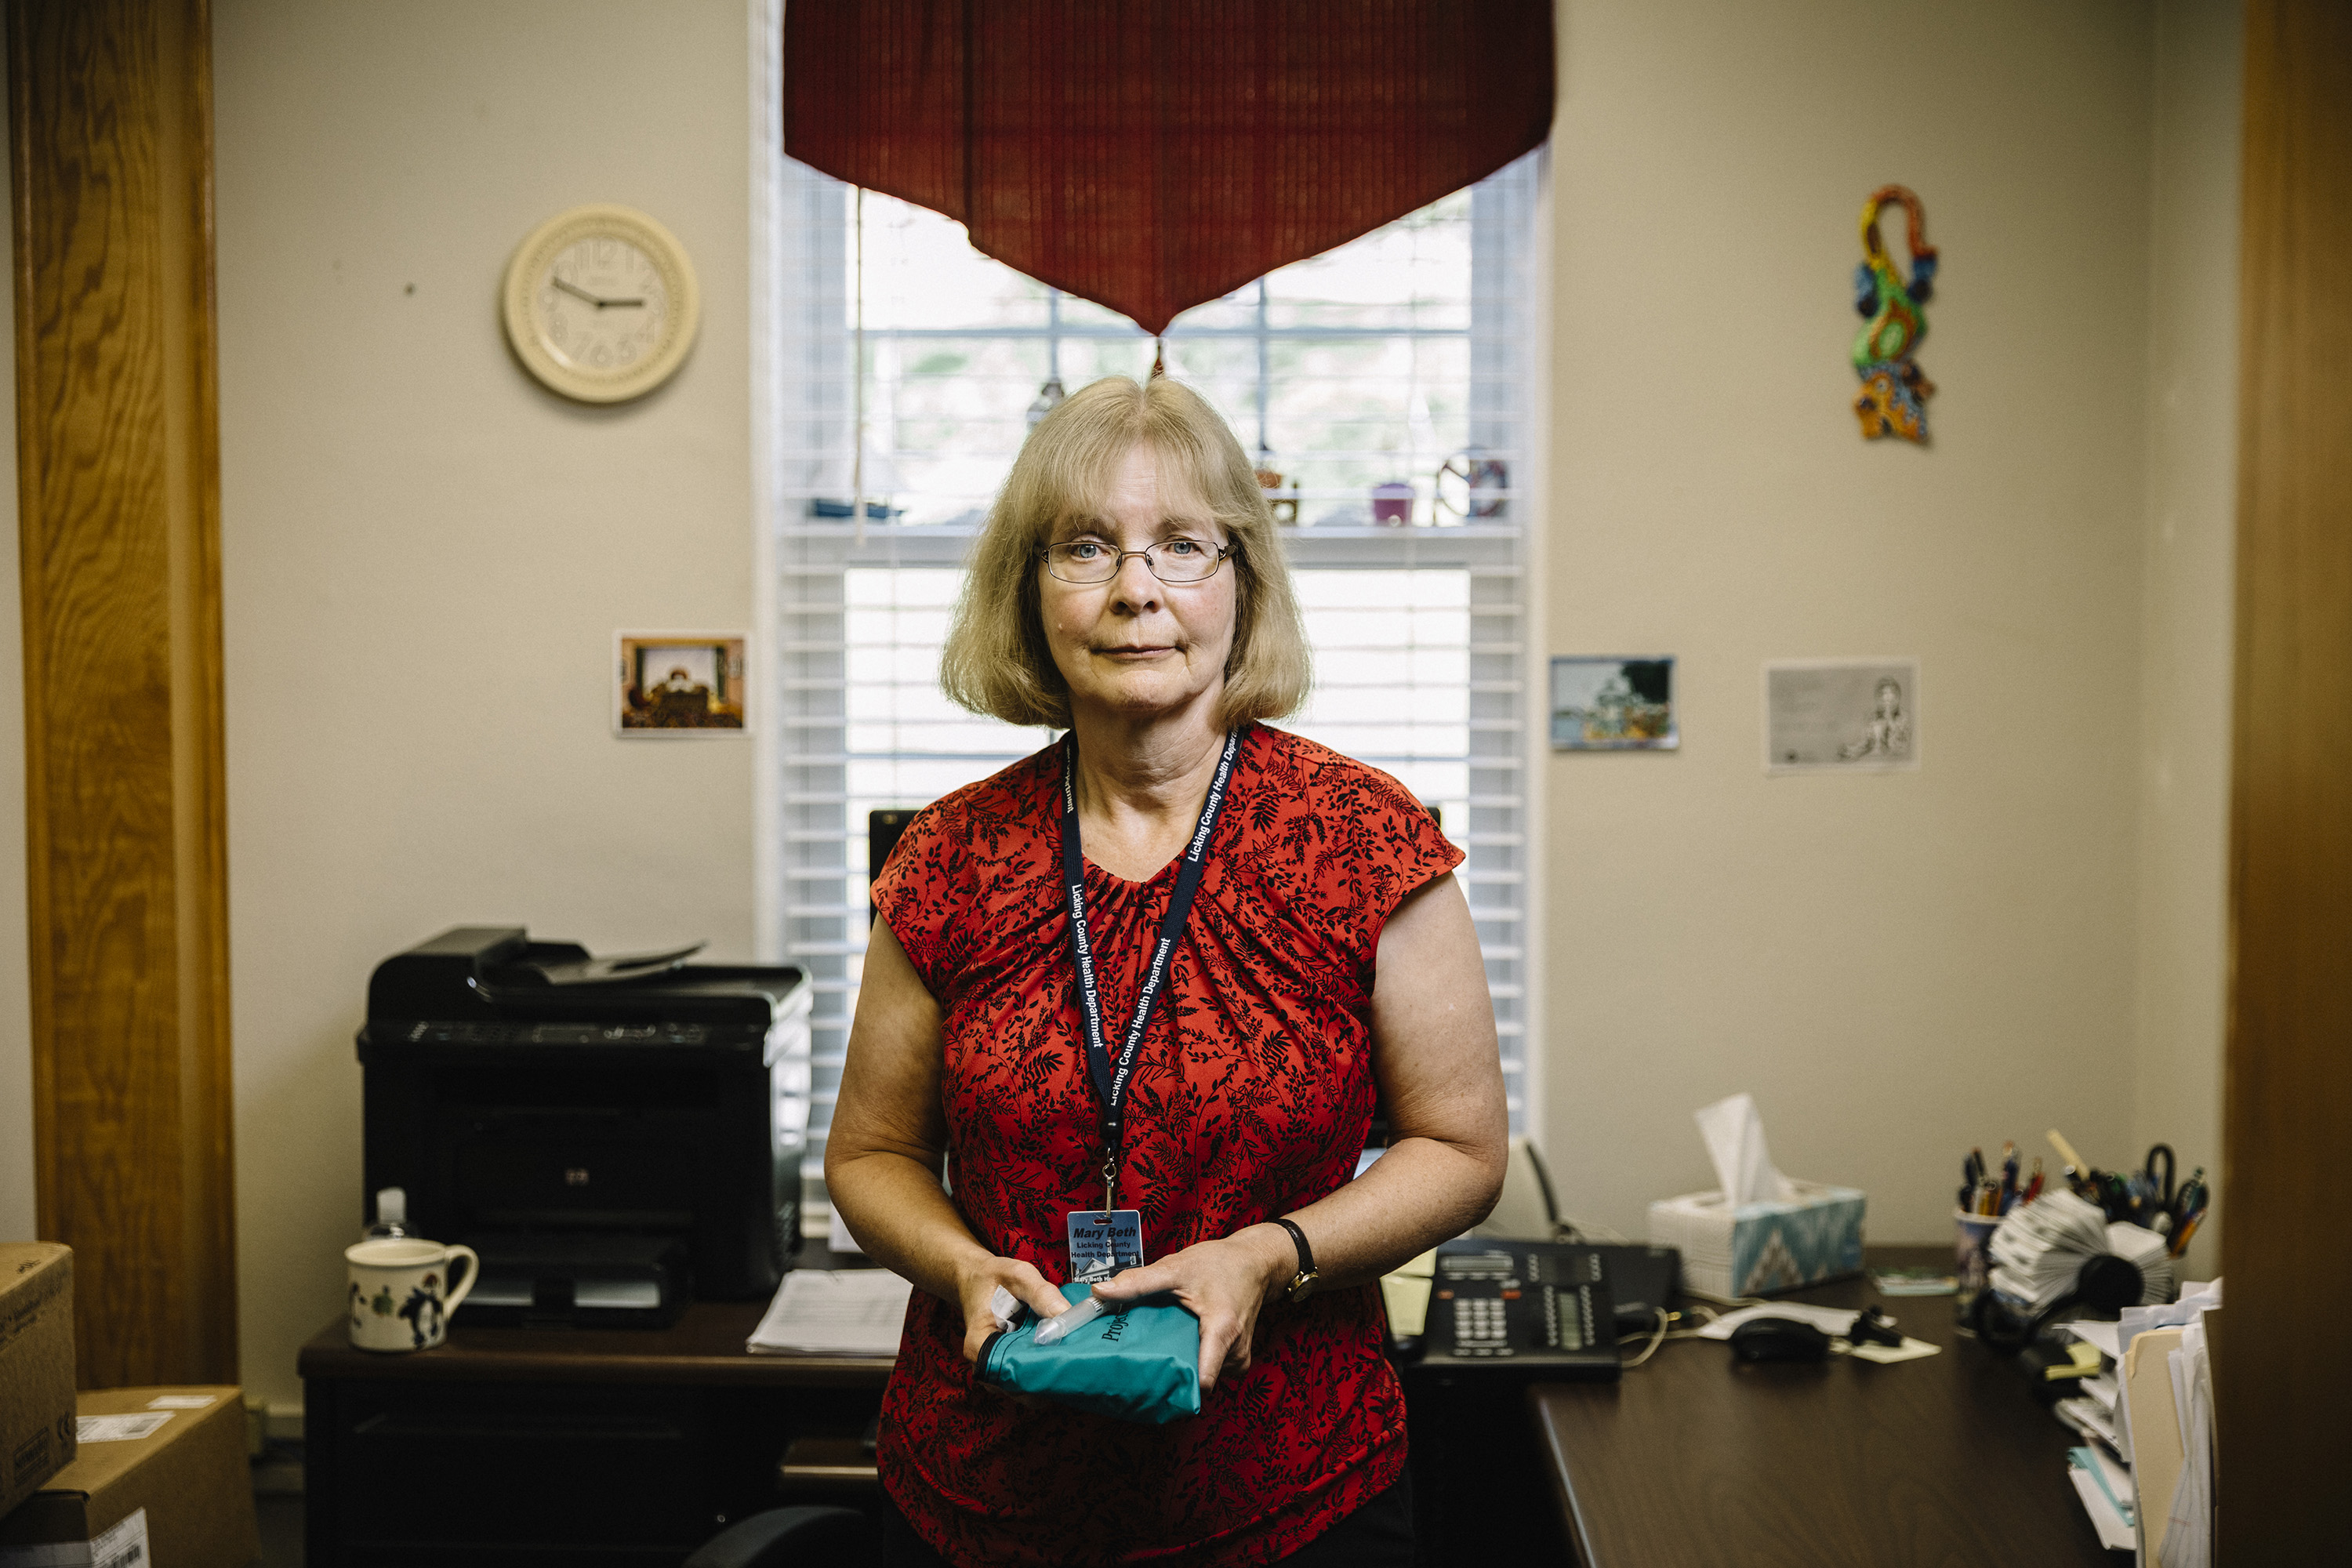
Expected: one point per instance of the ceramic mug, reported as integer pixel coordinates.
(400, 1298)
(1971, 1259)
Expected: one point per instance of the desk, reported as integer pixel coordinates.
(591, 1448)
(1694, 1461)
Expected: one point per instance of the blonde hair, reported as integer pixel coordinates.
(997, 660)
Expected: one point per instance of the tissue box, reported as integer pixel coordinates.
(1758, 1248)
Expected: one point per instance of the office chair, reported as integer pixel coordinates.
(787, 1538)
(884, 828)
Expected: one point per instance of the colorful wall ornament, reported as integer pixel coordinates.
(1893, 400)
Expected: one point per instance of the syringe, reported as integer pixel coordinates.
(1058, 1327)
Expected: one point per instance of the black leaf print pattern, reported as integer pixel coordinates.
(1252, 1096)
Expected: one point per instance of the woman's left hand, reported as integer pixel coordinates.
(1223, 1283)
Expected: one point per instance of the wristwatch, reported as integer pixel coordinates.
(1303, 1282)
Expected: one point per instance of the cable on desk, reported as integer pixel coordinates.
(1657, 1338)
(1666, 1331)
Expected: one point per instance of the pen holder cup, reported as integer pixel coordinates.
(1971, 1259)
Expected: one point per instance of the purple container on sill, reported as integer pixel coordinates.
(1392, 504)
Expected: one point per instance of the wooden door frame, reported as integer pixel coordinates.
(2288, 1096)
(110, 106)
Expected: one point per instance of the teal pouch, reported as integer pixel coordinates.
(1143, 1364)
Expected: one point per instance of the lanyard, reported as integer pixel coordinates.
(1110, 1077)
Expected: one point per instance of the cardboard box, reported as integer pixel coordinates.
(160, 1481)
(1758, 1248)
(36, 1366)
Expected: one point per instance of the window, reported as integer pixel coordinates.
(1369, 366)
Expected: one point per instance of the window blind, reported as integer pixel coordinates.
(1372, 364)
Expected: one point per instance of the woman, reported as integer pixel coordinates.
(1130, 585)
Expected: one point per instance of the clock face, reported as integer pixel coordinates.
(600, 304)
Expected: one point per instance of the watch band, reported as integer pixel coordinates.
(1304, 1281)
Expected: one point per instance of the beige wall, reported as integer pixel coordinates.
(2191, 546)
(1898, 966)
(15, 1020)
(425, 559)
(425, 556)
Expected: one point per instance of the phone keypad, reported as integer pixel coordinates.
(1480, 1328)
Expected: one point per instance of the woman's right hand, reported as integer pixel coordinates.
(976, 1287)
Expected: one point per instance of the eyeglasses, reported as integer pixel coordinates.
(1177, 560)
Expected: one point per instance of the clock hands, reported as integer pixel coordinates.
(580, 293)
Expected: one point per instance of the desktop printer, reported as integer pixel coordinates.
(613, 1136)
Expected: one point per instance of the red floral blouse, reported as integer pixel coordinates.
(1252, 1094)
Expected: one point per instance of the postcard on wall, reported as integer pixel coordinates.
(1613, 703)
(1840, 715)
(679, 683)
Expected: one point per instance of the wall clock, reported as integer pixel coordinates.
(601, 303)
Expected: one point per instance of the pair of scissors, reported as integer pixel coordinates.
(2164, 1193)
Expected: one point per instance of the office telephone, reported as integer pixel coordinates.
(1531, 1309)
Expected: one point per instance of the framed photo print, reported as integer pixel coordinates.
(1613, 703)
(1840, 715)
(679, 683)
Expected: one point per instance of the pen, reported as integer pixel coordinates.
(2192, 1193)
(2189, 1200)
(1054, 1330)
(2034, 1187)
(2008, 1175)
(2113, 1195)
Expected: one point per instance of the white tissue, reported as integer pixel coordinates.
(1734, 1142)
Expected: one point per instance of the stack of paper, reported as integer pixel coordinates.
(848, 1312)
(2038, 1251)
(2195, 1302)
(2100, 1469)
(2107, 1490)
(2157, 1448)
(2093, 1412)
(2189, 1523)
(2168, 1379)
(2097, 1407)
(2150, 1409)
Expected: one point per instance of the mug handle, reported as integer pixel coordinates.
(473, 1271)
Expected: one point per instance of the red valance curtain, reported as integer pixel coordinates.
(1151, 156)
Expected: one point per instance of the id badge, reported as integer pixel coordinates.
(1104, 1241)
